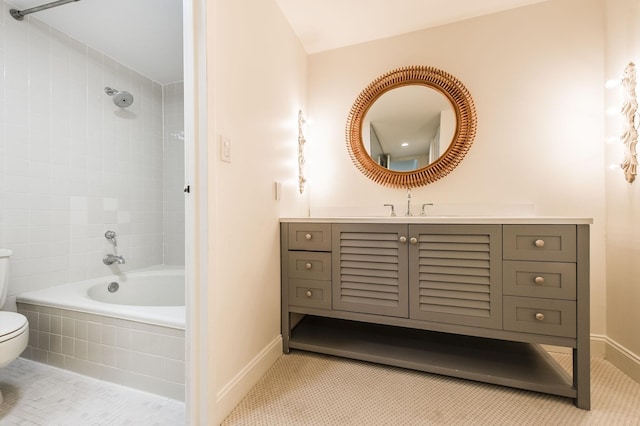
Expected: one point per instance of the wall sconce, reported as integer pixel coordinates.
(629, 111)
(302, 179)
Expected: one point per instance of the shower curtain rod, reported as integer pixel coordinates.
(20, 14)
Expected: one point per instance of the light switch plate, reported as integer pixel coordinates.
(278, 190)
(225, 149)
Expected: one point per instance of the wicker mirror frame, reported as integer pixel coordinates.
(466, 124)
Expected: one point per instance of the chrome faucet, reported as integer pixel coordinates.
(110, 259)
(424, 211)
(393, 209)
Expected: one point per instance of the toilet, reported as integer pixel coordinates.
(14, 328)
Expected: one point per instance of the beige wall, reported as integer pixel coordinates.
(536, 76)
(256, 82)
(623, 199)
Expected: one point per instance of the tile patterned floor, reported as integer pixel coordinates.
(38, 394)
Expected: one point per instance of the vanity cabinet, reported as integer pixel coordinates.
(470, 300)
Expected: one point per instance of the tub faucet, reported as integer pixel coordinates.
(110, 259)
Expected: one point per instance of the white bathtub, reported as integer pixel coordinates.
(151, 296)
(120, 337)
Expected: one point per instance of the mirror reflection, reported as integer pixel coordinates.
(409, 127)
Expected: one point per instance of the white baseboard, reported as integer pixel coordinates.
(233, 392)
(623, 359)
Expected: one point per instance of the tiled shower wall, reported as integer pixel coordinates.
(72, 164)
(173, 174)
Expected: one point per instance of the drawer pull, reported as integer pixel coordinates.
(413, 240)
(403, 239)
(308, 265)
(539, 243)
(538, 280)
(309, 293)
(540, 316)
(308, 236)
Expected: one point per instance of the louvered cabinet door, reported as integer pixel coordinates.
(370, 269)
(455, 274)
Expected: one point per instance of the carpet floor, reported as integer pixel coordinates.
(304, 388)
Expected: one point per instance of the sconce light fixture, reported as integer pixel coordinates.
(629, 111)
(302, 179)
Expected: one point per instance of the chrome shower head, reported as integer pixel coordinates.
(121, 99)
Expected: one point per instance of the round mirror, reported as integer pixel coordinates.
(411, 127)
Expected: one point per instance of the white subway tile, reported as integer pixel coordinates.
(174, 371)
(108, 356)
(108, 335)
(81, 349)
(68, 345)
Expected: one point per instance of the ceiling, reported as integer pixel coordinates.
(146, 35)
(329, 24)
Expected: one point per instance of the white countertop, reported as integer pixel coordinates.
(533, 220)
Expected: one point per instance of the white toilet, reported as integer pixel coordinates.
(14, 328)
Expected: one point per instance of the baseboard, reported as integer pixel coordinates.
(597, 346)
(233, 392)
(623, 359)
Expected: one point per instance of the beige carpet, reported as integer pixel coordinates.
(309, 389)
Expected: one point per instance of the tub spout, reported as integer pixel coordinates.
(110, 259)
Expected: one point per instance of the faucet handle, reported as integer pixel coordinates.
(423, 212)
(111, 236)
(393, 209)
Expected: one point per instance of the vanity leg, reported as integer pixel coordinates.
(285, 320)
(582, 352)
(581, 378)
(286, 332)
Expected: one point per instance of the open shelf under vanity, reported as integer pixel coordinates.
(514, 364)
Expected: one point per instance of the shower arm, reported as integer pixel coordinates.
(20, 14)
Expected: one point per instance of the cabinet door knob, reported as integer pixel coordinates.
(308, 236)
(309, 293)
(540, 316)
(413, 240)
(539, 243)
(308, 265)
(538, 280)
(403, 239)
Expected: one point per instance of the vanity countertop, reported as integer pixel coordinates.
(528, 220)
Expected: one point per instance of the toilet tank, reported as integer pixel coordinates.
(5, 254)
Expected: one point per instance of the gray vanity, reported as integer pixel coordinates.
(472, 298)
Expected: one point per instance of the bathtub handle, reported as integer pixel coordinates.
(111, 236)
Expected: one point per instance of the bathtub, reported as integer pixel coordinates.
(133, 335)
(151, 296)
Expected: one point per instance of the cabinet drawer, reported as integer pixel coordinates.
(540, 316)
(310, 236)
(553, 280)
(556, 243)
(310, 265)
(310, 293)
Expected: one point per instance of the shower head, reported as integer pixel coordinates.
(121, 99)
